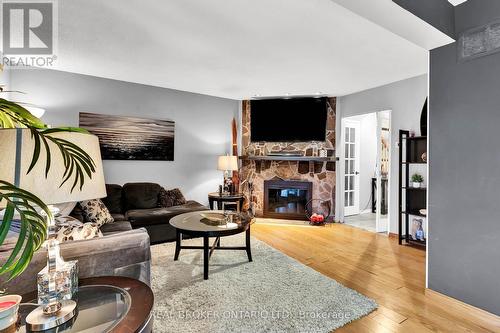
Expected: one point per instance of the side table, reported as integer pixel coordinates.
(215, 197)
(105, 304)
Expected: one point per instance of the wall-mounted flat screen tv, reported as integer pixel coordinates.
(288, 119)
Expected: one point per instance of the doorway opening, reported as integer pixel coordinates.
(366, 170)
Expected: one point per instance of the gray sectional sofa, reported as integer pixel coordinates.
(139, 204)
(118, 253)
(125, 248)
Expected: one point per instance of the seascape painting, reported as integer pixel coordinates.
(130, 138)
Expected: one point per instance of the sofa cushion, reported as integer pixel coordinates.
(96, 212)
(119, 226)
(145, 217)
(170, 198)
(114, 201)
(119, 217)
(141, 195)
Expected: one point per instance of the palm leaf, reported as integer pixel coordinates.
(77, 162)
(33, 226)
(19, 115)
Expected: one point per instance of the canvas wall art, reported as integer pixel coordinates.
(131, 138)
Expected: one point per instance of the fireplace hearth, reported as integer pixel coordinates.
(286, 199)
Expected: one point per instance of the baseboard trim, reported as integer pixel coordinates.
(393, 235)
(476, 315)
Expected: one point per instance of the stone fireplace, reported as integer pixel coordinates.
(286, 199)
(321, 175)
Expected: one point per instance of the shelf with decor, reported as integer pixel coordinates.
(412, 196)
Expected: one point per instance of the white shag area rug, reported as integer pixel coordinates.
(274, 293)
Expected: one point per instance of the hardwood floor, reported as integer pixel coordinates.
(377, 267)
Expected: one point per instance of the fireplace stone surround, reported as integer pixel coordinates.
(320, 174)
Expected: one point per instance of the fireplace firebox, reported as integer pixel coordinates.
(286, 199)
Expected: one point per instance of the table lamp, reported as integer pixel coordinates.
(227, 164)
(59, 279)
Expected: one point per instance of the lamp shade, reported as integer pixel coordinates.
(49, 188)
(228, 163)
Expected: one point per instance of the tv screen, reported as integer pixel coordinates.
(291, 119)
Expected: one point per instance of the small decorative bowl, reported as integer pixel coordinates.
(214, 218)
(9, 310)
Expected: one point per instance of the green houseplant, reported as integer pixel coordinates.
(33, 229)
(417, 180)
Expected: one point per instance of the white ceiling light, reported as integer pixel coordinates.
(36, 111)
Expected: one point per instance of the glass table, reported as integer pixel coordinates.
(103, 307)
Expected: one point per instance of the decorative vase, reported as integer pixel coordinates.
(9, 307)
(416, 185)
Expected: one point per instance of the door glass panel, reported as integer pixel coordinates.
(350, 179)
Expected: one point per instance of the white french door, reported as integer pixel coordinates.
(351, 162)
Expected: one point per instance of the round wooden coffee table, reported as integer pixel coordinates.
(195, 225)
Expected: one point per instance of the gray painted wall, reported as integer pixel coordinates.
(202, 123)
(464, 193)
(406, 99)
(438, 13)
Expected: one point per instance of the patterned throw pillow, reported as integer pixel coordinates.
(170, 198)
(96, 212)
(70, 229)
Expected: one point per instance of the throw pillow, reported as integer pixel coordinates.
(170, 198)
(70, 229)
(96, 212)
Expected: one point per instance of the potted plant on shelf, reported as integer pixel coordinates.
(417, 180)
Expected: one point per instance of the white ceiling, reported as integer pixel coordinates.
(456, 2)
(242, 48)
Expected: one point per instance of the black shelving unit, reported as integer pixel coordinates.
(411, 199)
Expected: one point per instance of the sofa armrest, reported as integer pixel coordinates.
(120, 254)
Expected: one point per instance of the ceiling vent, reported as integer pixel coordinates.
(479, 42)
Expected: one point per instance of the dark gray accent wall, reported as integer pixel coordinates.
(438, 13)
(464, 189)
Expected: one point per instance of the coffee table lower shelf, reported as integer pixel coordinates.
(208, 250)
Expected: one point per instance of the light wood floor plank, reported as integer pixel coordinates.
(376, 266)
